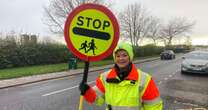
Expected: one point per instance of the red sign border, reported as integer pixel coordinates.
(67, 27)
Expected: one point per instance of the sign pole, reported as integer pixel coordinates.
(84, 80)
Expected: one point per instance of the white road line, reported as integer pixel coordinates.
(62, 90)
(165, 78)
(160, 82)
(174, 73)
(177, 71)
(199, 109)
(189, 104)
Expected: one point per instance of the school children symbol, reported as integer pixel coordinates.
(90, 47)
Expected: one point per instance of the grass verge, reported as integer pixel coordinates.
(43, 69)
(31, 70)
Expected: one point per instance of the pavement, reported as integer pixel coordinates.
(38, 78)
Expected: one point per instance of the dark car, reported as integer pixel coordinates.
(167, 54)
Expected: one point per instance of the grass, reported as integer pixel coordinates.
(31, 70)
(43, 69)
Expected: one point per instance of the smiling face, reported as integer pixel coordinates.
(122, 58)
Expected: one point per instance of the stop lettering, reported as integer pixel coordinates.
(95, 23)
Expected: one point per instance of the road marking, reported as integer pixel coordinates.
(62, 90)
(189, 104)
(174, 73)
(72, 76)
(160, 82)
(193, 109)
(171, 75)
(199, 109)
(165, 78)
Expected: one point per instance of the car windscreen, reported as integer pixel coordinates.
(202, 56)
(168, 51)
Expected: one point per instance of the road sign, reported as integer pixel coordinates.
(91, 32)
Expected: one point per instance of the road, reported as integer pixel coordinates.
(178, 91)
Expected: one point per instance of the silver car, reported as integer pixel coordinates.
(195, 62)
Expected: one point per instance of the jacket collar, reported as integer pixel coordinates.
(133, 75)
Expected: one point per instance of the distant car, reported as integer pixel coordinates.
(195, 62)
(167, 54)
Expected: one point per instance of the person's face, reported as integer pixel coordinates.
(122, 58)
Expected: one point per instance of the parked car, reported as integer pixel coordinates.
(167, 54)
(195, 62)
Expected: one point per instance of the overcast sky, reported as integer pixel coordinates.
(27, 15)
(22, 16)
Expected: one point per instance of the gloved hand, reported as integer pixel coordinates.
(83, 87)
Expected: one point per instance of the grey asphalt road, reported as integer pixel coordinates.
(179, 92)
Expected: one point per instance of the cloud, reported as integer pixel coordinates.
(21, 15)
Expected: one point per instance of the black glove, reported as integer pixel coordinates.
(83, 87)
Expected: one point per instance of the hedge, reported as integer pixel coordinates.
(15, 55)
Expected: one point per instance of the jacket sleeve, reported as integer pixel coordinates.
(96, 93)
(151, 98)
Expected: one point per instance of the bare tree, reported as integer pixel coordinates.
(176, 27)
(134, 22)
(58, 10)
(154, 29)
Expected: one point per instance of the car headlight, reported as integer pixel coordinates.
(186, 65)
(206, 66)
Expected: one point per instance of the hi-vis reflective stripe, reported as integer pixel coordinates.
(144, 81)
(125, 108)
(100, 98)
(98, 92)
(104, 76)
(155, 101)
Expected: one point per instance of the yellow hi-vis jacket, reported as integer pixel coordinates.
(136, 92)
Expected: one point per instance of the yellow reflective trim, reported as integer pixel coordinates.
(156, 106)
(100, 99)
(154, 101)
(142, 81)
(98, 92)
(146, 82)
(103, 76)
(124, 108)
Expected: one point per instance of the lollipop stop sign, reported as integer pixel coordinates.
(91, 32)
